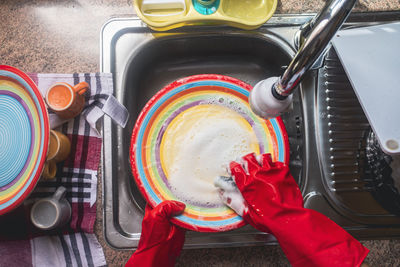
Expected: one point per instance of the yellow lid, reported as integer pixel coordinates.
(162, 15)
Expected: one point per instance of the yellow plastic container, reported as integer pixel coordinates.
(163, 15)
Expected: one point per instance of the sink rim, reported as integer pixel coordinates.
(277, 25)
(263, 238)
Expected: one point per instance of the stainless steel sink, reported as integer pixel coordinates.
(144, 61)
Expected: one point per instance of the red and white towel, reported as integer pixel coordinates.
(21, 244)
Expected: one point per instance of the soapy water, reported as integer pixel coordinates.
(227, 102)
(202, 148)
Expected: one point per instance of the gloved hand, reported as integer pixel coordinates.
(272, 202)
(161, 241)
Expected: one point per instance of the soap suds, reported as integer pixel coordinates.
(210, 141)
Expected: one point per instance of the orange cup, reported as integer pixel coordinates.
(59, 146)
(49, 170)
(65, 100)
(59, 149)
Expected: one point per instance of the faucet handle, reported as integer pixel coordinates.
(264, 103)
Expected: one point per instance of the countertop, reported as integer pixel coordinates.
(63, 37)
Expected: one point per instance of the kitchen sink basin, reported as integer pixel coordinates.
(143, 62)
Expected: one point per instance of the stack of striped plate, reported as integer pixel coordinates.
(149, 158)
(24, 137)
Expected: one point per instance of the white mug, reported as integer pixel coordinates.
(51, 212)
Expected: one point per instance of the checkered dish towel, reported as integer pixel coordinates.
(75, 244)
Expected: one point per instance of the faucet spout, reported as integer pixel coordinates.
(312, 39)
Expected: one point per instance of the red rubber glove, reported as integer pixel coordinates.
(274, 204)
(161, 241)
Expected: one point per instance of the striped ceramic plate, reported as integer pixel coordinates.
(24, 136)
(149, 158)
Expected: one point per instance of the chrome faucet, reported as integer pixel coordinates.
(273, 96)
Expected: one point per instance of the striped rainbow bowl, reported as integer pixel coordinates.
(148, 158)
(24, 137)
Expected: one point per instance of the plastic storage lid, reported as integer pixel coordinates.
(162, 15)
